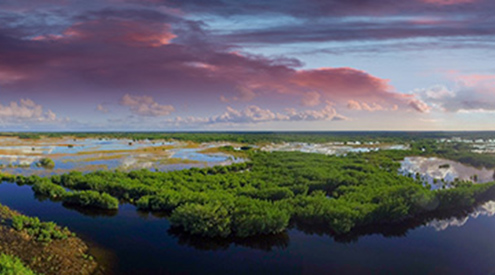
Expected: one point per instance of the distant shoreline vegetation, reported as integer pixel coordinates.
(264, 136)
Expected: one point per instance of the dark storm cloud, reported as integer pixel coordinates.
(322, 8)
(361, 31)
(346, 20)
(317, 20)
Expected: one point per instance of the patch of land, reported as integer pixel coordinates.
(66, 256)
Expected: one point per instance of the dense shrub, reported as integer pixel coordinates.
(211, 219)
(252, 217)
(164, 201)
(92, 199)
(273, 193)
(49, 189)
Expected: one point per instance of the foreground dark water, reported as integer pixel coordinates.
(140, 243)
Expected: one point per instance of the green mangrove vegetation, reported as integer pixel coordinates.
(48, 188)
(41, 231)
(268, 193)
(91, 198)
(38, 230)
(10, 265)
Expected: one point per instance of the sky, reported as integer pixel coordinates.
(258, 65)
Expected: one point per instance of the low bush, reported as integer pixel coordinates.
(41, 231)
(46, 163)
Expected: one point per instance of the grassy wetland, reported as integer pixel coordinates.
(210, 195)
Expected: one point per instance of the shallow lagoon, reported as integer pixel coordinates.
(18, 156)
(332, 148)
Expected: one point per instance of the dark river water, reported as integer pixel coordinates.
(140, 243)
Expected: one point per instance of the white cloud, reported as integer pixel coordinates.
(372, 107)
(470, 93)
(145, 106)
(25, 110)
(255, 114)
(327, 113)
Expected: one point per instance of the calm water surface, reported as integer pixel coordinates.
(435, 170)
(141, 243)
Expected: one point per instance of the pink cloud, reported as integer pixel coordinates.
(311, 99)
(350, 80)
(133, 33)
(122, 55)
(428, 21)
(341, 85)
(8, 76)
(354, 105)
(448, 2)
(101, 108)
(244, 95)
(419, 106)
(477, 80)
